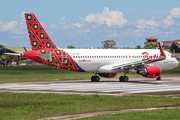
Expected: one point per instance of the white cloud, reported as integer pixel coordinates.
(22, 16)
(142, 24)
(107, 17)
(83, 31)
(174, 13)
(52, 26)
(168, 22)
(14, 26)
(138, 33)
(62, 20)
(8, 26)
(114, 34)
(77, 25)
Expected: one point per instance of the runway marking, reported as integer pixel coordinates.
(90, 87)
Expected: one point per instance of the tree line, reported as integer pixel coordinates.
(111, 44)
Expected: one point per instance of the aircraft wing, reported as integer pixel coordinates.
(137, 64)
(133, 65)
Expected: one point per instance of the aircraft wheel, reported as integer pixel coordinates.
(126, 79)
(123, 79)
(95, 78)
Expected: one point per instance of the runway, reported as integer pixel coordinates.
(168, 85)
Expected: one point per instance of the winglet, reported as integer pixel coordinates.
(162, 54)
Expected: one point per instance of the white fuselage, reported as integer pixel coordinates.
(91, 60)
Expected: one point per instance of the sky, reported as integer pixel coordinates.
(86, 23)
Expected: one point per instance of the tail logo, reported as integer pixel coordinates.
(38, 37)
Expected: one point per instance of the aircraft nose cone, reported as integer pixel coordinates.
(176, 63)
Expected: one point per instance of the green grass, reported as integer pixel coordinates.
(165, 114)
(45, 73)
(20, 106)
(38, 73)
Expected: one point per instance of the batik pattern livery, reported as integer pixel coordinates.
(42, 44)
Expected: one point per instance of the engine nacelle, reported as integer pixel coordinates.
(107, 75)
(150, 71)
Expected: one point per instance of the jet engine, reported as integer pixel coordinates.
(107, 75)
(150, 71)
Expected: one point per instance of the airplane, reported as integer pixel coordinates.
(103, 62)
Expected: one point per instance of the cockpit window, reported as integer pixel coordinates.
(172, 56)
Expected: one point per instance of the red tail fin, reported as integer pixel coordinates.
(38, 36)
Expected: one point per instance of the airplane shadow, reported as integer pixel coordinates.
(153, 81)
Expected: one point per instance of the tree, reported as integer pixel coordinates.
(108, 44)
(150, 46)
(2, 56)
(1, 46)
(138, 47)
(71, 47)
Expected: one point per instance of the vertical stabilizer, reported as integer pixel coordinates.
(38, 36)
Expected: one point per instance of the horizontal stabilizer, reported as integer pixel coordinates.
(12, 54)
(46, 56)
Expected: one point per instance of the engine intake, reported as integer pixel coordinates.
(150, 71)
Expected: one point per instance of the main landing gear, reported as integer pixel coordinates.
(123, 78)
(95, 78)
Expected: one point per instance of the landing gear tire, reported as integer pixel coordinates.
(123, 79)
(158, 78)
(95, 78)
(126, 79)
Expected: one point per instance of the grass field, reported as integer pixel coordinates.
(166, 114)
(45, 73)
(20, 106)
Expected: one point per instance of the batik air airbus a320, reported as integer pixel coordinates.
(101, 62)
